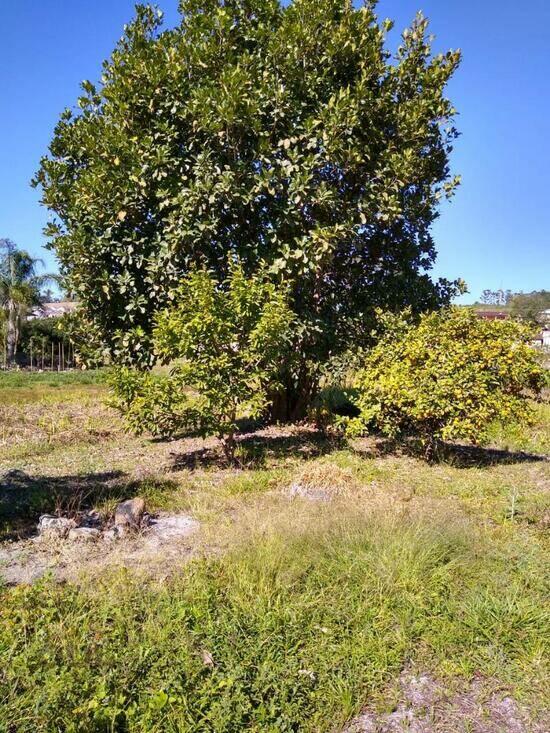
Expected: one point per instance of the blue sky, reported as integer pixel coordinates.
(494, 234)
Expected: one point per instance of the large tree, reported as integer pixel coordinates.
(282, 136)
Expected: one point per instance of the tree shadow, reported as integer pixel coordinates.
(198, 458)
(23, 497)
(259, 448)
(470, 456)
(256, 449)
(458, 455)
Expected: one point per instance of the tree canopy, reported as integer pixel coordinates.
(20, 286)
(288, 137)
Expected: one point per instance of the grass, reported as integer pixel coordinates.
(37, 380)
(287, 634)
(293, 613)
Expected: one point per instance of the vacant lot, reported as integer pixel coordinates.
(326, 581)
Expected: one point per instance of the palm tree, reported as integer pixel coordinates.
(19, 290)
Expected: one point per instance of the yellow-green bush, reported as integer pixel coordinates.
(449, 376)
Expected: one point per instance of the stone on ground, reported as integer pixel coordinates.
(129, 513)
(84, 534)
(51, 526)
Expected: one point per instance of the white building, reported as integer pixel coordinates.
(53, 310)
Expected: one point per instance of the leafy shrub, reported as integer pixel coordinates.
(448, 377)
(159, 404)
(224, 343)
(332, 402)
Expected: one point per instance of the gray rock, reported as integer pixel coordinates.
(91, 519)
(55, 526)
(308, 492)
(116, 533)
(129, 513)
(168, 529)
(84, 534)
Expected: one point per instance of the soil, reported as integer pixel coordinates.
(424, 705)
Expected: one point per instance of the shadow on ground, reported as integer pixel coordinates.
(468, 456)
(23, 497)
(452, 454)
(257, 449)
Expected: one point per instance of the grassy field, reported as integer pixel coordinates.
(285, 614)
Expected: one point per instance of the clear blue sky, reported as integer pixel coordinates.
(494, 234)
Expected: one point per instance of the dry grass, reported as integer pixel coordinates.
(38, 422)
(323, 479)
(309, 602)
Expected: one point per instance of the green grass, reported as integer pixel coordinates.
(36, 380)
(297, 631)
(293, 614)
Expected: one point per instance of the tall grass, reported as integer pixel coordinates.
(287, 632)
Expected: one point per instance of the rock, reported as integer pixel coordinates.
(111, 535)
(117, 533)
(84, 534)
(55, 526)
(171, 527)
(129, 513)
(308, 492)
(91, 519)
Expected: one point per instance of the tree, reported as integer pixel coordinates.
(448, 377)
(496, 297)
(286, 136)
(48, 296)
(487, 297)
(19, 289)
(531, 307)
(224, 344)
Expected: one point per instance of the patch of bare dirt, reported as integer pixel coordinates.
(424, 705)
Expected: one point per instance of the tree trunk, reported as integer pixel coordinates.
(229, 444)
(11, 334)
(292, 403)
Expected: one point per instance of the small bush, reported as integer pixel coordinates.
(160, 404)
(224, 342)
(451, 376)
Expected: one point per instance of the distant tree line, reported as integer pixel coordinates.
(496, 297)
(41, 343)
(528, 306)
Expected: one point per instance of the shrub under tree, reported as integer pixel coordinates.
(286, 135)
(224, 345)
(449, 376)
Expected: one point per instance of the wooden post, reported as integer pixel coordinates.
(51, 362)
(59, 356)
(30, 348)
(43, 341)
